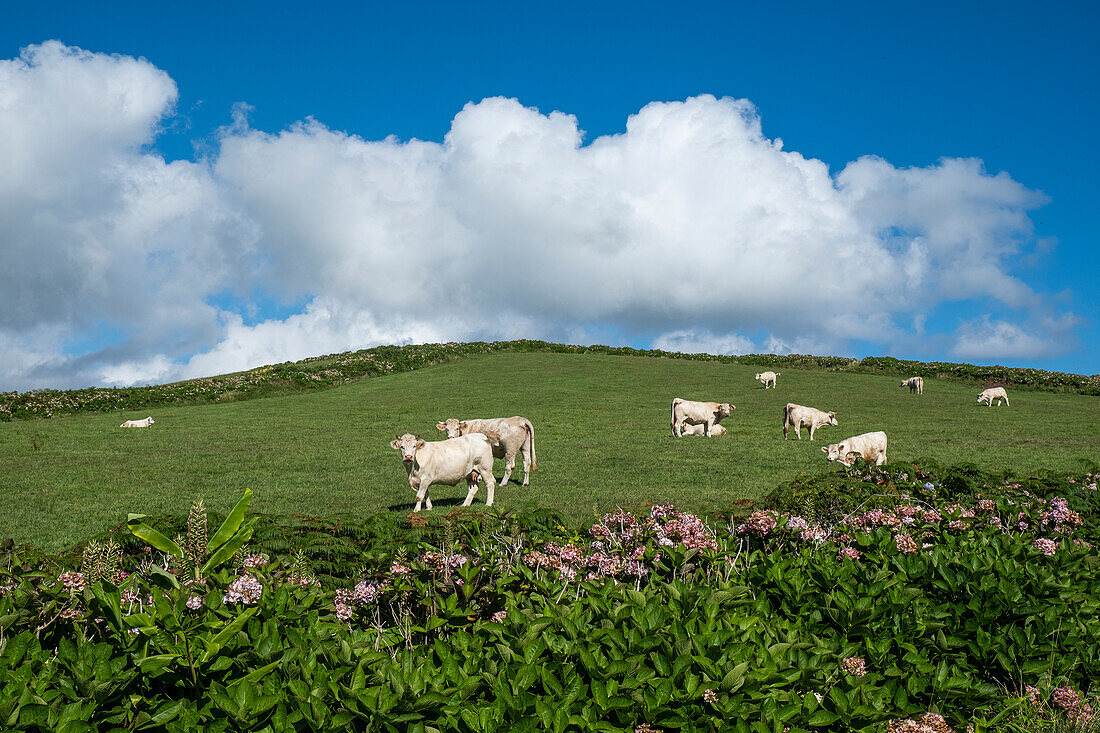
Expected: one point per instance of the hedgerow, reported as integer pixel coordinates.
(332, 370)
(927, 592)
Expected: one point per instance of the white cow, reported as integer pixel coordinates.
(767, 378)
(447, 462)
(869, 446)
(701, 430)
(509, 435)
(707, 414)
(915, 384)
(138, 423)
(799, 417)
(991, 395)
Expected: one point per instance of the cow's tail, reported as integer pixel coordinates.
(672, 420)
(787, 417)
(531, 443)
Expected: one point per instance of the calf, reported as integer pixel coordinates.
(509, 435)
(991, 395)
(767, 378)
(799, 417)
(869, 447)
(138, 423)
(468, 457)
(707, 414)
(915, 384)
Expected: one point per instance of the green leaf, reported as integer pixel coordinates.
(161, 578)
(155, 662)
(231, 524)
(143, 531)
(226, 551)
(214, 645)
(822, 717)
(108, 596)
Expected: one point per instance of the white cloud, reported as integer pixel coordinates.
(689, 228)
(987, 338)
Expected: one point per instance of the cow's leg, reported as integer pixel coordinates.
(706, 428)
(526, 465)
(490, 488)
(881, 459)
(427, 501)
(1007, 403)
(471, 489)
(677, 428)
(798, 430)
(509, 464)
(421, 494)
(811, 432)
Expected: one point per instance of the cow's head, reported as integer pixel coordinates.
(150, 419)
(836, 452)
(981, 398)
(759, 377)
(407, 445)
(452, 427)
(904, 383)
(832, 418)
(723, 411)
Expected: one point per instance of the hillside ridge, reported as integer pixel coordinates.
(330, 370)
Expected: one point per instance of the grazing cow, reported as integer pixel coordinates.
(915, 384)
(991, 395)
(707, 414)
(869, 447)
(701, 430)
(447, 462)
(138, 423)
(799, 417)
(509, 435)
(767, 378)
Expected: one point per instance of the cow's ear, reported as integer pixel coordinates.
(394, 445)
(420, 444)
(832, 414)
(462, 425)
(824, 449)
(440, 426)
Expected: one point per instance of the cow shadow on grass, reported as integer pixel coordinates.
(448, 503)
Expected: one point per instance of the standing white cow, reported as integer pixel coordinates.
(799, 417)
(138, 423)
(447, 462)
(509, 435)
(915, 384)
(767, 378)
(869, 446)
(707, 414)
(991, 395)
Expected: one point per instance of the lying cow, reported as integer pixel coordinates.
(991, 395)
(767, 378)
(447, 462)
(869, 447)
(915, 384)
(706, 414)
(138, 423)
(509, 435)
(701, 430)
(799, 417)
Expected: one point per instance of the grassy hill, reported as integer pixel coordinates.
(602, 439)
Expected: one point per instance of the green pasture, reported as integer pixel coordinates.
(601, 434)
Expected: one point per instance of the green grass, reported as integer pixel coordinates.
(601, 434)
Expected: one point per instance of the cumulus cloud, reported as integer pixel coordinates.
(690, 230)
(987, 338)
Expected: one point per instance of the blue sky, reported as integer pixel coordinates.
(297, 227)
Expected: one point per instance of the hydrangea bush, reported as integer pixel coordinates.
(918, 608)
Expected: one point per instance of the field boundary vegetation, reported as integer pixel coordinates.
(323, 372)
(904, 597)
